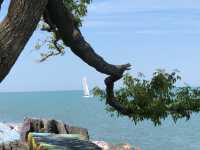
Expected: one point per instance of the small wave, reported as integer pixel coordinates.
(8, 134)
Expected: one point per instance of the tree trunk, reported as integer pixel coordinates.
(16, 29)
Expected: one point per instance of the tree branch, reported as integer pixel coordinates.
(48, 55)
(111, 99)
(72, 37)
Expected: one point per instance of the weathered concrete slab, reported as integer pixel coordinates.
(60, 142)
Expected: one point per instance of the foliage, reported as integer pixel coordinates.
(54, 47)
(79, 10)
(155, 99)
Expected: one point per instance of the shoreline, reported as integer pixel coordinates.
(57, 128)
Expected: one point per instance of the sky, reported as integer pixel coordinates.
(150, 34)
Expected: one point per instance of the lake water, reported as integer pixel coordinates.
(90, 113)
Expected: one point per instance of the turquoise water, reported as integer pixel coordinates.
(90, 113)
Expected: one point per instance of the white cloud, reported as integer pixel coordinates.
(126, 6)
(144, 17)
(111, 6)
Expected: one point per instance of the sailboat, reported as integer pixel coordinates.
(86, 92)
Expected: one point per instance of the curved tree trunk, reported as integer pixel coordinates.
(16, 29)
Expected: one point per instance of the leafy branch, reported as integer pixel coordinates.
(78, 9)
(153, 99)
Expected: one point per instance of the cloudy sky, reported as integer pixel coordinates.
(150, 34)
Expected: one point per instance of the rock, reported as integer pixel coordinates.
(7, 134)
(104, 145)
(26, 128)
(31, 125)
(59, 141)
(18, 127)
(17, 145)
(108, 146)
(123, 147)
(15, 126)
(49, 126)
(54, 126)
(62, 127)
(43, 125)
(78, 130)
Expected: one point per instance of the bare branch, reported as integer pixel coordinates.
(48, 55)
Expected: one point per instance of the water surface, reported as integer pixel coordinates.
(90, 113)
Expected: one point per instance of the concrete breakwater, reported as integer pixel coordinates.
(38, 134)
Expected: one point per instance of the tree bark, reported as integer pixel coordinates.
(1, 1)
(72, 37)
(16, 29)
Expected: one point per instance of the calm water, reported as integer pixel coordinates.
(72, 108)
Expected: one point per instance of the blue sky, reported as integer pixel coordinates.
(150, 34)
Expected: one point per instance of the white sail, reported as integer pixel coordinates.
(86, 91)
